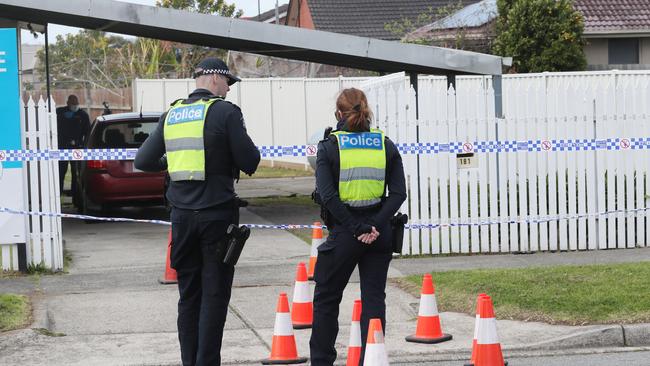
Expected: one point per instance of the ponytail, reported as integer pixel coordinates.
(353, 106)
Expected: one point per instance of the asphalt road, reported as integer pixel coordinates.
(598, 358)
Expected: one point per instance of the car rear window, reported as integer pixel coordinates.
(122, 134)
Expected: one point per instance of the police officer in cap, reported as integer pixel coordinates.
(355, 166)
(203, 144)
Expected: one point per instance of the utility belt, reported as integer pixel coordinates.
(229, 248)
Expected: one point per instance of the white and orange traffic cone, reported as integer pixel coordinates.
(302, 308)
(375, 348)
(428, 328)
(488, 348)
(316, 241)
(170, 276)
(354, 347)
(283, 349)
(478, 317)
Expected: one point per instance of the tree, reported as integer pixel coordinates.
(91, 59)
(188, 56)
(214, 7)
(540, 35)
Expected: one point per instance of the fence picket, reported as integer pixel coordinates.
(541, 124)
(531, 165)
(629, 91)
(483, 177)
(639, 168)
(581, 161)
(572, 194)
(38, 249)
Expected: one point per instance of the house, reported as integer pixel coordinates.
(269, 16)
(364, 18)
(617, 31)
(471, 28)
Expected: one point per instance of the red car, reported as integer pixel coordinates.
(117, 183)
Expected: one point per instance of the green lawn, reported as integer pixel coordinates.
(14, 312)
(268, 172)
(594, 294)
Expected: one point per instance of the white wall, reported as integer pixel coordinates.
(277, 111)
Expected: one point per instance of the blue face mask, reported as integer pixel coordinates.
(74, 108)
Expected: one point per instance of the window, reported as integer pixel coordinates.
(623, 50)
(123, 134)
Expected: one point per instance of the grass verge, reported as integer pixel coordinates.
(268, 172)
(15, 311)
(574, 295)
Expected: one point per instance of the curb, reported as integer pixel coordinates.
(636, 335)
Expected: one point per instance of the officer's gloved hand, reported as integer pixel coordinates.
(363, 229)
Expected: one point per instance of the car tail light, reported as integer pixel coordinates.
(96, 164)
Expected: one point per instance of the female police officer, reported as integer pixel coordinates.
(354, 166)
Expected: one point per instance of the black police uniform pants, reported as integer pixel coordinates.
(204, 284)
(337, 258)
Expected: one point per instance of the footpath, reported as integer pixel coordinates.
(110, 309)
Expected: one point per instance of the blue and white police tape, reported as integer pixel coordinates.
(412, 226)
(415, 148)
(143, 221)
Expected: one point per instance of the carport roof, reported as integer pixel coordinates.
(249, 36)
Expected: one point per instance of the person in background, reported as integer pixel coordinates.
(73, 126)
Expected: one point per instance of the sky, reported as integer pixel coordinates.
(248, 6)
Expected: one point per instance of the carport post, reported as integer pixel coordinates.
(47, 69)
(498, 95)
(413, 78)
(498, 113)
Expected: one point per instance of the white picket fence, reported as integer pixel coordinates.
(521, 200)
(45, 241)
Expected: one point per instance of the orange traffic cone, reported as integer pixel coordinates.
(316, 240)
(302, 308)
(478, 317)
(428, 328)
(283, 349)
(375, 347)
(170, 274)
(354, 347)
(488, 348)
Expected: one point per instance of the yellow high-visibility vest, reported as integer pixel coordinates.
(183, 133)
(363, 167)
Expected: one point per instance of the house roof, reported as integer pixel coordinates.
(471, 16)
(612, 16)
(253, 37)
(367, 18)
(270, 14)
(600, 17)
(474, 15)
